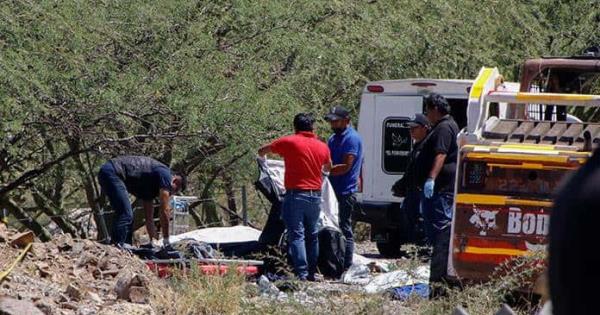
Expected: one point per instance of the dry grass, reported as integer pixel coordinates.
(196, 293)
(232, 294)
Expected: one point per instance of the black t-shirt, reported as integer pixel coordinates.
(143, 176)
(442, 139)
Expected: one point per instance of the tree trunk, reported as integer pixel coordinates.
(25, 219)
(231, 204)
(52, 212)
(91, 193)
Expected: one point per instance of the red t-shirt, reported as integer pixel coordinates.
(304, 156)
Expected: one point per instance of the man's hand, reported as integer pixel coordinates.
(344, 167)
(264, 150)
(428, 188)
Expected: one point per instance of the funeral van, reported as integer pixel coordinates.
(385, 109)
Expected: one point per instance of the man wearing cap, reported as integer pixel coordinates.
(438, 159)
(346, 155)
(306, 158)
(408, 186)
(146, 179)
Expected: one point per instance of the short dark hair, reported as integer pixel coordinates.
(304, 122)
(434, 100)
(184, 182)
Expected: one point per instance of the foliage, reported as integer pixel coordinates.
(201, 84)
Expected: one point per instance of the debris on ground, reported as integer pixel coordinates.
(74, 276)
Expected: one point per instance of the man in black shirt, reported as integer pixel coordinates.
(409, 186)
(438, 160)
(146, 179)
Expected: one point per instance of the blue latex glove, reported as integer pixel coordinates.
(428, 188)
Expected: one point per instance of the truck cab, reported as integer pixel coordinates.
(385, 108)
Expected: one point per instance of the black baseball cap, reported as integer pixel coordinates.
(419, 120)
(337, 113)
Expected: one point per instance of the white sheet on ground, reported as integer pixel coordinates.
(362, 260)
(329, 204)
(220, 235)
(396, 279)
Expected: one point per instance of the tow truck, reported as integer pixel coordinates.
(509, 168)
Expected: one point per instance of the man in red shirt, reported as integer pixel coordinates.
(306, 158)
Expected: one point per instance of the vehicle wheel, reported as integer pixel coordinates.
(389, 249)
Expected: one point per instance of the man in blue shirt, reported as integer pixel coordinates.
(145, 178)
(346, 155)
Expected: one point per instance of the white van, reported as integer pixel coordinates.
(385, 108)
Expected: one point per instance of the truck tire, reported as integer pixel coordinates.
(390, 249)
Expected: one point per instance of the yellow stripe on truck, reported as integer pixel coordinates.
(478, 199)
(550, 97)
(517, 157)
(477, 88)
(494, 251)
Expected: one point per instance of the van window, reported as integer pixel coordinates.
(396, 144)
(458, 111)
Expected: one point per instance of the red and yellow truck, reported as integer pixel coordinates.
(509, 168)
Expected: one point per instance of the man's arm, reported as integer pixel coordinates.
(438, 163)
(149, 212)
(341, 169)
(264, 150)
(327, 167)
(165, 212)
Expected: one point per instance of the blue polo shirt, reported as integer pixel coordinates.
(348, 142)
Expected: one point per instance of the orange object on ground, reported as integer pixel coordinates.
(165, 270)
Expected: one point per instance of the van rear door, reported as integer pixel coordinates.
(391, 145)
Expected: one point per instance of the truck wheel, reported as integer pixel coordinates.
(389, 249)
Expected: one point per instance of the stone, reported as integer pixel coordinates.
(44, 270)
(86, 310)
(127, 308)
(73, 292)
(3, 232)
(77, 249)
(123, 284)
(22, 239)
(95, 298)
(10, 306)
(68, 305)
(138, 295)
(46, 306)
(126, 280)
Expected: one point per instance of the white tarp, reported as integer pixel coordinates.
(397, 278)
(220, 235)
(329, 204)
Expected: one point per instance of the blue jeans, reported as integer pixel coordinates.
(437, 214)
(346, 206)
(114, 188)
(300, 213)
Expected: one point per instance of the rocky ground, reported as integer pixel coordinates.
(75, 276)
(71, 276)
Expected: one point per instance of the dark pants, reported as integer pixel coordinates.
(437, 214)
(346, 206)
(300, 212)
(411, 209)
(438, 270)
(114, 188)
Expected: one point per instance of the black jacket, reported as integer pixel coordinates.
(411, 179)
